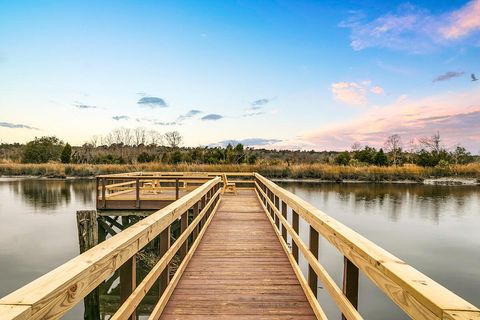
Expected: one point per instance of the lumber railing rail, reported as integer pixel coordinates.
(112, 185)
(55, 293)
(417, 295)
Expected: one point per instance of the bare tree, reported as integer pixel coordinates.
(140, 136)
(173, 138)
(432, 144)
(155, 138)
(393, 145)
(356, 147)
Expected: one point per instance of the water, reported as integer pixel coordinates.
(433, 228)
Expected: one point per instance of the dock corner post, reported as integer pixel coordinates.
(177, 189)
(88, 238)
(350, 282)
(164, 246)
(313, 246)
(137, 193)
(128, 280)
(104, 185)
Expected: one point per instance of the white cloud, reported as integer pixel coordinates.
(354, 93)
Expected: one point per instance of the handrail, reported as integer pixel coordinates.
(53, 294)
(419, 296)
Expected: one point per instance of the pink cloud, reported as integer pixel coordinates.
(354, 93)
(455, 115)
(414, 29)
(463, 21)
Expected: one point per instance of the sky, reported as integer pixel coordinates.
(319, 75)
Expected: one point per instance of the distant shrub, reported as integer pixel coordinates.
(42, 150)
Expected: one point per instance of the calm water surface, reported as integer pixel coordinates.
(434, 228)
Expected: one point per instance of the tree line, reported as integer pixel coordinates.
(128, 146)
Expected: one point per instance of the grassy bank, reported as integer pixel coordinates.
(303, 171)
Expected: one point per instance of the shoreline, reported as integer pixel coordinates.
(445, 181)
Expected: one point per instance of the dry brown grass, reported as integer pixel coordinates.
(301, 171)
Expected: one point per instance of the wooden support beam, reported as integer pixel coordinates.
(183, 226)
(277, 205)
(350, 282)
(284, 214)
(196, 210)
(313, 247)
(128, 281)
(295, 224)
(104, 198)
(177, 187)
(88, 238)
(164, 246)
(137, 193)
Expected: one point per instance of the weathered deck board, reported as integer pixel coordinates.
(239, 270)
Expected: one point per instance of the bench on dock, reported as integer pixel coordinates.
(237, 256)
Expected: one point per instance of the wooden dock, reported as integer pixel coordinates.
(239, 270)
(234, 255)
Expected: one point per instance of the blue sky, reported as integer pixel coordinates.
(299, 74)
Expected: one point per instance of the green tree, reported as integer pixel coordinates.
(66, 155)
(42, 150)
(343, 158)
(380, 158)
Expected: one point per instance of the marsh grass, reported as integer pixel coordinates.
(300, 171)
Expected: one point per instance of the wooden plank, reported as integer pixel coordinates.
(53, 294)
(295, 224)
(419, 296)
(157, 311)
(239, 270)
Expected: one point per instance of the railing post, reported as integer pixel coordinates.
(183, 226)
(277, 205)
(176, 189)
(104, 182)
(164, 246)
(295, 223)
(128, 280)
(137, 193)
(196, 211)
(97, 193)
(350, 282)
(284, 214)
(313, 246)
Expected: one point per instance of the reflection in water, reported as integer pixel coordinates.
(433, 228)
(50, 194)
(430, 199)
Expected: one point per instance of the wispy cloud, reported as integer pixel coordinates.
(260, 102)
(212, 116)
(179, 121)
(16, 126)
(81, 105)
(354, 93)
(118, 118)
(250, 142)
(448, 75)
(463, 22)
(190, 114)
(413, 29)
(152, 102)
(455, 115)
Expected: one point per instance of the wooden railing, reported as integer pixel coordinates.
(416, 294)
(113, 185)
(55, 293)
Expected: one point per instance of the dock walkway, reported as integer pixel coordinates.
(239, 270)
(226, 246)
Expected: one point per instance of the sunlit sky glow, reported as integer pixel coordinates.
(281, 74)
